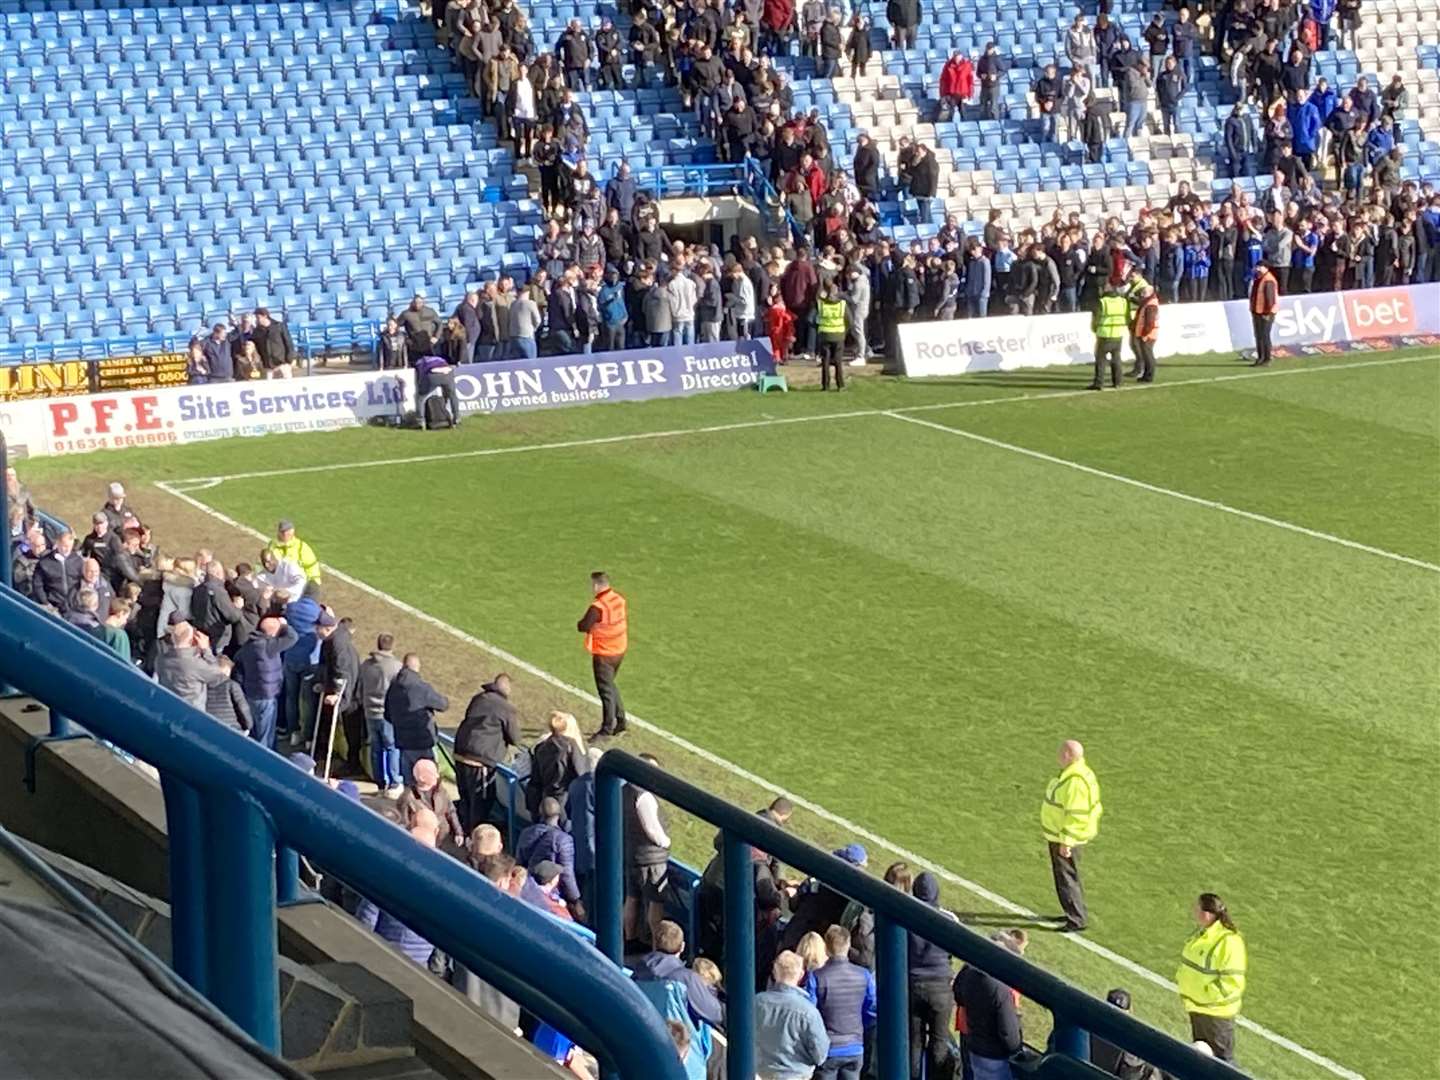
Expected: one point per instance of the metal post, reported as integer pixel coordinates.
(892, 1000)
(60, 725)
(188, 912)
(1070, 1039)
(510, 811)
(244, 980)
(739, 958)
(609, 866)
(287, 875)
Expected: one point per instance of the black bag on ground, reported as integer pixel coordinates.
(436, 414)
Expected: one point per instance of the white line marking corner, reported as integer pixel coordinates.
(972, 887)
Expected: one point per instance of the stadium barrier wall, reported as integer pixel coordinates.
(1311, 321)
(187, 414)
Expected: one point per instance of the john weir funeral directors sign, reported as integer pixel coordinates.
(633, 375)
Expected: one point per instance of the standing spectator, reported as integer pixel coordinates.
(545, 841)
(421, 324)
(467, 314)
(831, 45)
(644, 48)
(866, 166)
(487, 734)
(681, 293)
(857, 45)
(424, 791)
(218, 359)
(1185, 41)
(376, 674)
(212, 612)
(339, 686)
(1110, 1058)
(924, 180)
(957, 84)
(260, 669)
(1157, 36)
(394, 347)
(186, 667)
(272, 341)
(112, 630)
(1277, 245)
(1169, 89)
(992, 1022)
(1135, 88)
(117, 510)
(1046, 91)
(991, 71)
(57, 574)
(790, 1038)
(708, 302)
(845, 998)
(647, 859)
(101, 542)
(1074, 96)
(1238, 137)
(1095, 131)
(613, 313)
(573, 49)
(555, 762)
(225, 701)
(931, 1004)
(290, 548)
(524, 325)
(1080, 47)
(904, 18)
(410, 705)
(523, 112)
(1305, 128)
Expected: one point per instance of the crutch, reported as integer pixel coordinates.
(339, 692)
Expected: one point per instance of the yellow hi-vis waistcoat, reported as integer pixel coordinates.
(1070, 814)
(300, 553)
(1211, 978)
(1114, 319)
(832, 318)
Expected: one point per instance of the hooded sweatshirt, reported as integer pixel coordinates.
(928, 962)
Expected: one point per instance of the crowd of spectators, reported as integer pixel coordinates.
(1336, 214)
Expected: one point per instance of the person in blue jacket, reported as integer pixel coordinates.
(613, 313)
(1197, 263)
(1380, 141)
(1322, 11)
(1172, 266)
(1305, 127)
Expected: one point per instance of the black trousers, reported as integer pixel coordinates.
(1263, 325)
(1144, 359)
(830, 350)
(1218, 1031)
(612, 709)
(1107, 350)
(932, 1017)
(1066, 869)
(477, 794)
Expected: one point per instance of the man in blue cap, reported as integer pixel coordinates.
(816, 906)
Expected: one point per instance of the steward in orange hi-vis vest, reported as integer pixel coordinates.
(1264, 300)
(605, 625)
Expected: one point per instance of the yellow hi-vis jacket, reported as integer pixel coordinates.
(299, 553)
(1070, 814)
(1211, 979)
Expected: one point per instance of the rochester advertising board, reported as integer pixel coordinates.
(633, 375)
(187, 414)
(59, 378)
(1016, 341)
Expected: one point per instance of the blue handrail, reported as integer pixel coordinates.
(1076, 1014)
(223, 897)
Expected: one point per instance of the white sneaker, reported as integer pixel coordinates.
(394, 792)
(859, 361)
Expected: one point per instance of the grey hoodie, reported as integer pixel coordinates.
(376, 674)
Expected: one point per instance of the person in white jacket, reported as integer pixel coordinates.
(681, 293)
(522, 112)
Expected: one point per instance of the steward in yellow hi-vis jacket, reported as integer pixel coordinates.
(1070, 818)
(1211, 978)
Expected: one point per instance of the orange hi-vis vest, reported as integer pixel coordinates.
(610, 636)
(1147, 318)
(1264, 293)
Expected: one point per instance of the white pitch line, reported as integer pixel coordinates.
(1209, 504)
(740, 772)
(197, 483)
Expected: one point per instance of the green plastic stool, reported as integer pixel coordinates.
(773, 382)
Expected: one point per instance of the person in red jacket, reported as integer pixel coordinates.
(777, 17)
(780, 326)
(957, 84)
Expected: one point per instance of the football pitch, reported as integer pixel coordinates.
(896, 601)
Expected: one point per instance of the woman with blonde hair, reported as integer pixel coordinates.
(812, 950)
(572, 729)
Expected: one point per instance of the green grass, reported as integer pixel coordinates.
(901, 624)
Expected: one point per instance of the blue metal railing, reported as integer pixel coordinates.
(223, 896)
(312, 340)
(1076, 1014)
(684, 879)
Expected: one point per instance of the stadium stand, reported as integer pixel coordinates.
(352, 150)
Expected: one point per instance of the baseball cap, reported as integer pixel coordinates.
(545, 871)
(285, 525)
(325, 619)
(854, 854)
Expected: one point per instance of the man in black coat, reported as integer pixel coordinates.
(212, 612)
(867, 167)
(339, 683)
(272, 342)
(58, 573)
(410, 706)
(924, 179)
(904, 18)
(484, 739)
